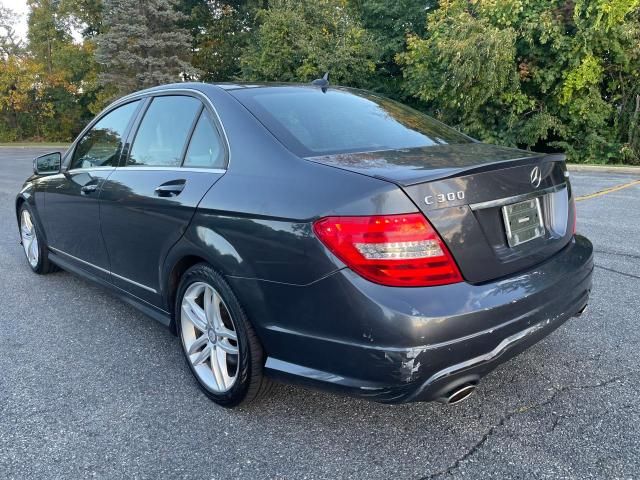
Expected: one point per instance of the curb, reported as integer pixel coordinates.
(573, 167)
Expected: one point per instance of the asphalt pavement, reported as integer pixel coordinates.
(89, 387)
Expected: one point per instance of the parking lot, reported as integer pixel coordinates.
(89, 387)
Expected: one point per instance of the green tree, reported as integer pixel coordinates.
(24, 106)
(298, 40)
(464, 69)
(84, 15)
(390, 23)
(143, 44)
(66, 67)
(48, 31)
(220, 31)
(534, 73)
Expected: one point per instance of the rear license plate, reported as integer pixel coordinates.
(523, 221)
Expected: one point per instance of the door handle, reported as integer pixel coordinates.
(170, 189)
(89, 188)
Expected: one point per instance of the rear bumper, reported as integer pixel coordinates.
(470, 371)
(411, 344)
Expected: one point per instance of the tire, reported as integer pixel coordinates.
(33, 243)
(212, 326)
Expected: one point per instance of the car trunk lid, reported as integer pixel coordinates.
(499, 210)
(418, 165)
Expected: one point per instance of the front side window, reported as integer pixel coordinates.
(101, 145)
(163, 132)
(205, 148)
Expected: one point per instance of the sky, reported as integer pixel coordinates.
(20, 7)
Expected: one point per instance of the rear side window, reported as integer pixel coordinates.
(163, 132)
(205, 149)
(101, 146)
(312, 122)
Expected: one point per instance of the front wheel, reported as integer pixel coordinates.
(35, 248)
(220, 346)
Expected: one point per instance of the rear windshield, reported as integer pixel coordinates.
(311, 122)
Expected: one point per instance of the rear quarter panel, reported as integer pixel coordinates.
(261, 226)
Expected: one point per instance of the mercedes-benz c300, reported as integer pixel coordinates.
(313, 234)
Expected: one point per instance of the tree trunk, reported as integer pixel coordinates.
(49, 66)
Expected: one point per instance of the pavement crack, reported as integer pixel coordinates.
(557, 391)
(554, 424)
(618, 254)
(630, 275)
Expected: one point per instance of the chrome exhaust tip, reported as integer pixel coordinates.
(458, 394)
(581, 311)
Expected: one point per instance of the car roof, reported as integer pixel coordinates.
(202, 86)
(244, 85)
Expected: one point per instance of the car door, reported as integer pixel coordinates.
(177, 153)
(71, 206)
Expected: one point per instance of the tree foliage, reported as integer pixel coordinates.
(23, 103)
(534, 73)
(551, 75)
(464, 69)
(390, 23)
(42, 82)
(298, 40)
(220, 31)
(143, 45)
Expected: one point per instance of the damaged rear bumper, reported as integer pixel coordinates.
(472, 370)
(414, 344)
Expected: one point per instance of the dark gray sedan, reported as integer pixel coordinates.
(313, 234)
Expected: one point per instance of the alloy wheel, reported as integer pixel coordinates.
(29, 238)
(209, 337)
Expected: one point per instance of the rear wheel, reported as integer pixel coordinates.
(220, 346)
(35, 248)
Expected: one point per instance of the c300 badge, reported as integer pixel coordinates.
(443, 198)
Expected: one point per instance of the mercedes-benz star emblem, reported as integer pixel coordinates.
(536, 177)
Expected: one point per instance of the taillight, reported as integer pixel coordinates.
(395, 250)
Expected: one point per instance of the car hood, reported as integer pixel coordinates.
(417, 165)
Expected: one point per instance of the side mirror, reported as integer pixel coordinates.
(47, 164)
